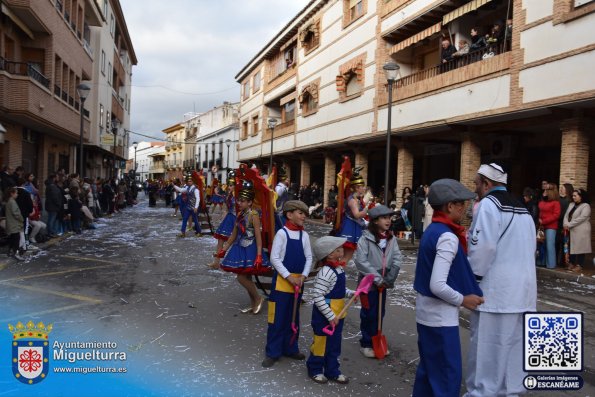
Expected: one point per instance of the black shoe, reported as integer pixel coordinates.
(269, 362)
(297, 356)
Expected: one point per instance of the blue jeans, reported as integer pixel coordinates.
(52, 219)
(550, 248)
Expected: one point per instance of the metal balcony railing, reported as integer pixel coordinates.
(24, 69)
(455, 63)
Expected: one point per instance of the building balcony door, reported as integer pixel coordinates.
(29, 158)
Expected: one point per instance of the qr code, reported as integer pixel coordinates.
(553, 341)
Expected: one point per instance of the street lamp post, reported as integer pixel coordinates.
(271, 124)
(391, 70)
(135, 145)
(228, 143)
(82, 91)
(115, 126)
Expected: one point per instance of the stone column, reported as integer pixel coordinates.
(304, 172)
(470, 160)
(574, 157)
(330, 175)
(361, 160)
(404, 170)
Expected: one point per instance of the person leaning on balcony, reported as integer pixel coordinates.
(463, 48)
(448, 50)
(478, 42)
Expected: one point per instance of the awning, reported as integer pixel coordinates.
(471, 6)
(417, 37)
(17, 21)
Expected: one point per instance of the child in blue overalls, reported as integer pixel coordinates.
(291, 257)
(226, 227)
(328, 297)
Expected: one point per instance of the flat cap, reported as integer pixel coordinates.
(446, 190)
(325, 245)
(293, 205)
(380, 210)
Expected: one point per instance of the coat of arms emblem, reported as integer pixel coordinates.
(30, 351)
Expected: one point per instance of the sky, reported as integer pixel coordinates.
(189, 52)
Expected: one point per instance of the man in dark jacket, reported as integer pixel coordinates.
(6, 178)
(53, 206)
(25, 203)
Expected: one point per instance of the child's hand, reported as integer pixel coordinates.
(472, 301)
(295, 280)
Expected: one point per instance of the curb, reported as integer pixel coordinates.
(557, 274)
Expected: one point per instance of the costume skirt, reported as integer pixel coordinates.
(217, 199)
(352, 231)
(226, 227)
(240, 260)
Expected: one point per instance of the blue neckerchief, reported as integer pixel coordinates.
(497, 188)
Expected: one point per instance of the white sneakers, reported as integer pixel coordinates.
(369, 352)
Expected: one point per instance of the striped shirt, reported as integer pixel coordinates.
(323, 284)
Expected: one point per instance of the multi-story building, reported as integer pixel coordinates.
(150, 160)
(526, 100)
(174, 151)
(109, 98)
(216, 141)
(48, 48)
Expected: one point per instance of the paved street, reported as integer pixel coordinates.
(132, 282)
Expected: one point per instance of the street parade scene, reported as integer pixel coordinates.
(387, 201)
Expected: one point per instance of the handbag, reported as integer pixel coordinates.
(540, 235)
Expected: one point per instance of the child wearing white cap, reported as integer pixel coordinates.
(328, 297)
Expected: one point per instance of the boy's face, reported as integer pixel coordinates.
(297, 217)
(383, 222)
(336, 255)
(243, 203)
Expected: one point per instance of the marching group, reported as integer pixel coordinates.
(489, 269)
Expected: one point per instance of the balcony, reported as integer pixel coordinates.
(24, 69)
(464, 68)
(158, 167)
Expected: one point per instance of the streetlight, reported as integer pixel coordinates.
(82, 91)
(391, 70)
(271, 124)
(228, 143)
(2, 133)
(135, 145)
(115, 126)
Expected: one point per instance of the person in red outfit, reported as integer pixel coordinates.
(549, 213)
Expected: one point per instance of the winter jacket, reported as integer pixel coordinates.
(15, 223)
(369, 259)
(53, 198)
(580, 228)
(24, 202)
(549, 212)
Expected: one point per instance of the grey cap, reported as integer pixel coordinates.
(325, 245)
(446, 190)
(293, 205)
(380, 210)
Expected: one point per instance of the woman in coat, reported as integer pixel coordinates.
(577, 220)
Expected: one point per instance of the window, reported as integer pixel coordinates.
(112, 25)
(286, 59)
(350, 80)
(310, 36)
(103, 62)
(353, 10)
(308, 99)
(354, 86)
(109, 73)
(244, 130)
(255, 125)
(247, 89)
(288, 112)
(107, 121)
(257, 81)
(101, 114)
(105, 8)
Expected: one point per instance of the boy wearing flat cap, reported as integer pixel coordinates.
(291, 257)
(328, 297)
(378, 254)
(443, 281)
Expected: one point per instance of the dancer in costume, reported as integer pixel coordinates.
(226, 227)
(191, 208)
(353, 222)
(291, 257)
(218, 197)
(245, 256)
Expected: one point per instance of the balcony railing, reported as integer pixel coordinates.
(457, 62)
(24, 69)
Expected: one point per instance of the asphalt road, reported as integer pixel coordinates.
(133, 283)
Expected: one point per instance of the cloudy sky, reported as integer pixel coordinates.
(190, 50)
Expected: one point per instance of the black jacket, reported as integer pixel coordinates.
(25, 202)
(53, 198)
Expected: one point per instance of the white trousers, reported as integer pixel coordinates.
(36, 227)
(495, 358)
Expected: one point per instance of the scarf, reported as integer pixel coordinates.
(458, 230)
(334, 264)
(292, 226)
